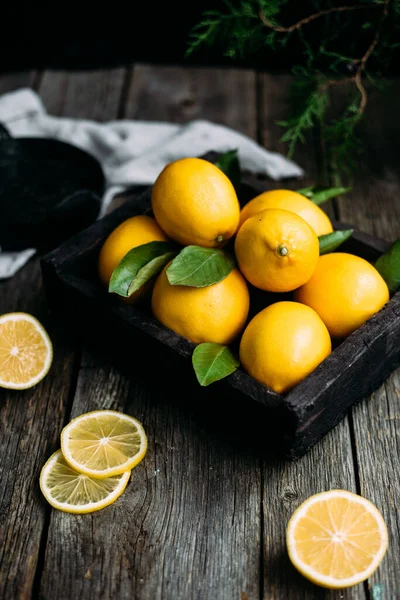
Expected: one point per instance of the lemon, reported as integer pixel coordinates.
(26, 351)
(214, 313)
(103, 443)
(194, 202)
(292, 201)
(283, 344)
(69, 491)
(131, 233)
(345, 290)
(276, 250)
(336, 539)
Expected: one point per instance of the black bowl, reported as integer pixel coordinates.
(49, 190)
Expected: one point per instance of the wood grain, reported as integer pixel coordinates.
(188, 526)
(29, 425)
(180, 511)
(377, 443)
(81, 95)
(329, 465)
(29, 422)
(84, 94)
(373, 205)
(225, 96)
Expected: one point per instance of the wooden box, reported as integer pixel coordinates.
(299, 419)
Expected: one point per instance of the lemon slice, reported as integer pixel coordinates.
(26, 352)
(103, 443)
(336, 539)
(70, 491)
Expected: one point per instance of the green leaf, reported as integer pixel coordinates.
(322, 196)
(134, 262)
(229, 164)
(388, 266)
(212, 362)
(307, 191)
(149, 270)
(330, 241)
(198, 267)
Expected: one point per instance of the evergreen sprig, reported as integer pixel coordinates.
(244, 27)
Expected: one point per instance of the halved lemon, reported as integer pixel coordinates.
(103, 443)
(70, 491)
(26, 351)
(336, 539)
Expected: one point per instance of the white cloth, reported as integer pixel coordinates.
(131, 152)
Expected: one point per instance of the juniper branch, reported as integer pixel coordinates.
(310, 18)
(358, 76)
(243, 26)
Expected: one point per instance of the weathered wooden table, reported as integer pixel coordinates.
(205, 513)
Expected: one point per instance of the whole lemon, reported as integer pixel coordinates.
(133, 232)
(345, 290)
(289, 200)
(215, 313)
(194, 202)
(276, 250)
(283, 344)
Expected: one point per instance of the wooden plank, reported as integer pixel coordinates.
(10, 82)
(328, 465)
(181, 510)
(377, 443)
(188, 526)
(29, 425)
(86, 94)
(225, 96)
(29, 422)
(373, 206)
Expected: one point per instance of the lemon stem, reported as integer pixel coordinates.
(282, 250)
(220, 239)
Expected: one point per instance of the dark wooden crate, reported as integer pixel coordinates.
(297, 420)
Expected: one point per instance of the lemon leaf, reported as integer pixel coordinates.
(388, 266)
(321, 196)
(212, 362)
(330, 241)
(307, 191)
(153, 255)
(229, 164)
(196, 266)
(148, 271)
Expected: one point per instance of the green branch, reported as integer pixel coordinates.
(244, 27)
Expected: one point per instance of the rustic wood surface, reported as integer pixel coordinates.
(204, 515)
